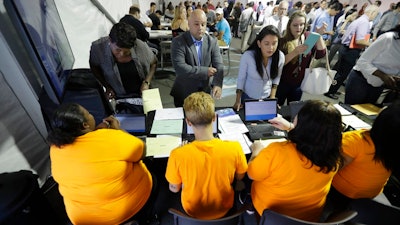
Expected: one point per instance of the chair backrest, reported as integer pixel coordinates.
(270, 217)
(373, 213)
(181, 218)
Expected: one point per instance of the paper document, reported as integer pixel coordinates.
(230, 123)
(355, 122)
(241, 138)
(167, 127)
(342, 110)
(169, 114)
(368, 109)
(310, 41)
(151, 100)
(161, 147)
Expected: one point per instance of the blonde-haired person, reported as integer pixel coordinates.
(180, 22)
(204, 169)
(291, 44)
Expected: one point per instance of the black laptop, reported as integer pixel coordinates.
(134, 124)
(256, 116)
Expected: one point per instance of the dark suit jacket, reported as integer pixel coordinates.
(190, 76)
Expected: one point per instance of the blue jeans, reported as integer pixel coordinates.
(358, 91)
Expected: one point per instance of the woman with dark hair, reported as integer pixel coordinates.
(260, 68)
(369, 159)
(293, 177)
(100, 172)
(378, 68)
(291, 44)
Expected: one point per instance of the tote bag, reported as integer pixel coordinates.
(318, 80)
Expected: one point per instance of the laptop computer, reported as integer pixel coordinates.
(134, 124)
(256, 116)
(189, 133)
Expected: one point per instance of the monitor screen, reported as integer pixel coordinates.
(42, 31)
(259, 110)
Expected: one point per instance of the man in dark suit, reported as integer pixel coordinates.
(196, 59)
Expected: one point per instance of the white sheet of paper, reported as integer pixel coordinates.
(232, 122)
(355, 122)
(167, 127)
(161, 146)
(151, 100)
(169, 114)
(342, 110)
(241, 138)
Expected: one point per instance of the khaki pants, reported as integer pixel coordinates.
(245, 39)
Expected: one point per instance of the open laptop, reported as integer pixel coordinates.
(189, 133)
(134, 124)
(256, 116)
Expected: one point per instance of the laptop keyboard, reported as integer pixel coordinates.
(263, 131)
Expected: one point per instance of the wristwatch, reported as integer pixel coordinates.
(146, 82)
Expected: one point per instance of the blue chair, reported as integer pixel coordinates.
(374, 213)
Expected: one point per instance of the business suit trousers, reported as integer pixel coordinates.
(347, 59)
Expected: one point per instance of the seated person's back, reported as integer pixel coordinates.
(204, 169)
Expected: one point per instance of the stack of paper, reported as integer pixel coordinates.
(230, 121)
(168, 121)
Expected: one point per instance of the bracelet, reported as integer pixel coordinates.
(146, 82)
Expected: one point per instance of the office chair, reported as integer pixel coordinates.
(270, 217)
(181, 218)
(165, 47)
(374, 213)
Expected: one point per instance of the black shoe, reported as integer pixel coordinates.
(332, 96)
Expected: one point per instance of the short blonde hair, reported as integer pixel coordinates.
(199, 108)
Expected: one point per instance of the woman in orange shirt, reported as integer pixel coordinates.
(100, 172)
(293, 177)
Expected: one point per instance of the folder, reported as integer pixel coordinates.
(310, 41)
(353, 43)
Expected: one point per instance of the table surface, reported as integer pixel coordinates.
(160, 34)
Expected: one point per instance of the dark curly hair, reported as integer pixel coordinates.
(318, 135)
(123, 35)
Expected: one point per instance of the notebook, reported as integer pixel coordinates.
(256, 116)
(189, 133)
(133, 123)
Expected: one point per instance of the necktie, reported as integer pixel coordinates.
(280, 25)
(198, 48)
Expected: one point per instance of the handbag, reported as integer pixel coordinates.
(317, 80)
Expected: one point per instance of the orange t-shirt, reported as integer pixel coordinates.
(285, 181)
(206, 170)
(101, 177)
(363, 177)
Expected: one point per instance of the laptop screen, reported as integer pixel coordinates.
(259, 110)
(132, 123)
(189, 129)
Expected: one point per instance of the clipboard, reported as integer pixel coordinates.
(310, 41)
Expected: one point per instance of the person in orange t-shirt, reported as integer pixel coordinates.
(293, 177)
(370, 159)
(206, 168)
(100, 172)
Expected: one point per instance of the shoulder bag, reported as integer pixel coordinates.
(318, 80)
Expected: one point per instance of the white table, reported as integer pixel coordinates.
(160, 34)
